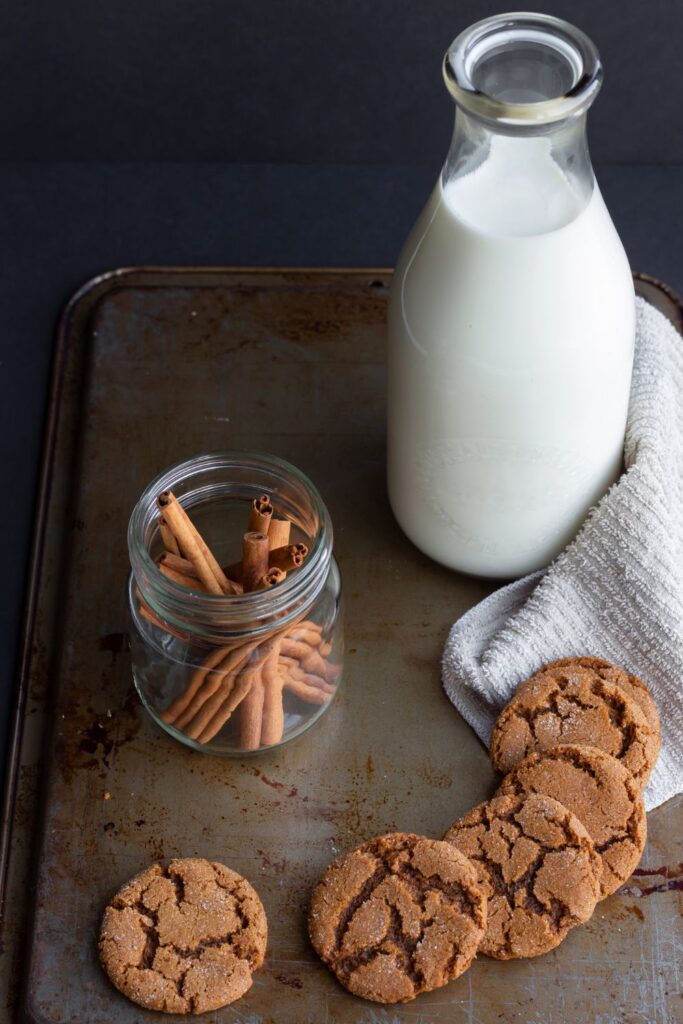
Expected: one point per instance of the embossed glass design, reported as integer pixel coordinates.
(511, 321)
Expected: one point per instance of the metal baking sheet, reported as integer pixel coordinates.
(156, 365)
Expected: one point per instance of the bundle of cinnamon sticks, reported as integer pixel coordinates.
(250, 676)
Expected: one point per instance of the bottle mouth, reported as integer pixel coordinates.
(523, 69)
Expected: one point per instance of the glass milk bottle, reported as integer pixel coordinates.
(511, 322)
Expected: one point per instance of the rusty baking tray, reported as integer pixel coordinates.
(153, 366)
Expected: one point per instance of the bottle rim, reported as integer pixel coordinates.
(503, 32)
(225, 615)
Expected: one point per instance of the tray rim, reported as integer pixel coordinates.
(106, 281)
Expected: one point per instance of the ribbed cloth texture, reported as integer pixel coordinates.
(616, 591)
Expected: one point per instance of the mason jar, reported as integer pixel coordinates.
(235, 673)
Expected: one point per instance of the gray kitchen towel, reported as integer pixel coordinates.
(616, 591)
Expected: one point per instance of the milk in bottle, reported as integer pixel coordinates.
(511, 319)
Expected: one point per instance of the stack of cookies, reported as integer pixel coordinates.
(404, 914)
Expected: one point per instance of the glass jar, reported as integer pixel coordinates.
(512, 314)
(233, 674)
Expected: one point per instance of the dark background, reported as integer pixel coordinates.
(261, 132)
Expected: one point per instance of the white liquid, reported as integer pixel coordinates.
(511, 332)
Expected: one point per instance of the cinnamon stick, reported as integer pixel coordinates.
(311, 694)
(212, 695)
(243, 683)
(260, 515)
(151, 617)
(271, 579)
(193, 546)
(210, 676)
(254, 559)
(251, 714)
(292, 670)
(212, 661)
(273, 723)
(305, 635)
(275, 534)
(310, 660)
(215, 718)
(309, 624)
(291, 556)
(318, 683)
(178, 563)
(278, 533)
(189, 582)
(167, 538)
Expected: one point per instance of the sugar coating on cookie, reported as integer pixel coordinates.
(538, 866)
(400, 915)
(600, 792)
(571, 704)
(633, 685)
(184, 938)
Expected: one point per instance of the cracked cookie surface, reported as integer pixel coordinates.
(632, 685)
(185, 938)
(603, 796)
(400, 915)
(538, 866)
(568, 703)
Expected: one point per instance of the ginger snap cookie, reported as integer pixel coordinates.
(400, 915)
(632, 685)
(185, 938)
(571, 704)
(538, 866)
(600, 792)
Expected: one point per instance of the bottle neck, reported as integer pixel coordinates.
(518, 181)
(522, 83)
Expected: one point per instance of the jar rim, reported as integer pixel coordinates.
(181, 607)
(491, 36)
